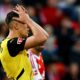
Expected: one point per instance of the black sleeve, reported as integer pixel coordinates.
(15, 45)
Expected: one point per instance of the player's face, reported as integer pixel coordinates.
(23, 29)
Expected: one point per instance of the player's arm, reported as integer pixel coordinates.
(39, 34)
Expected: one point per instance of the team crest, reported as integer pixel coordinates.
(20, 40)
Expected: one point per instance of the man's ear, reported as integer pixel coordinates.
(16, 26)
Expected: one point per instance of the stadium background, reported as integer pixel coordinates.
(61, 18)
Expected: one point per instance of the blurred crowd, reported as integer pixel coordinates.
(61, 19)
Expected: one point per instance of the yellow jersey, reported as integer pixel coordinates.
(14, 59)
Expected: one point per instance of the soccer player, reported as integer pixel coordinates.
(37, 62)
(13, 49)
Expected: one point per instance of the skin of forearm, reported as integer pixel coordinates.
(35, 28)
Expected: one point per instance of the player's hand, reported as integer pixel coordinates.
(21, 11)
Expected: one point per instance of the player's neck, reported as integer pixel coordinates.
(35, 52)
(13, 34)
